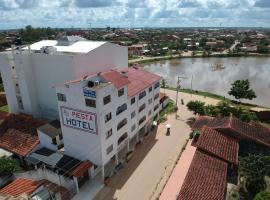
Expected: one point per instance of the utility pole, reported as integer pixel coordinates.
(177, 89)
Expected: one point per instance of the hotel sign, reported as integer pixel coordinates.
(78, 119)
(89, 93)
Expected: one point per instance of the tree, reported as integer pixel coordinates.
(253, 169)
(248, 116)
(197, 107)
(224, 108)
(264, 195)
(163, 83)
(241, 90)
(211, 110)
(8, 165)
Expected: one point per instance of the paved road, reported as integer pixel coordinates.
(152, 160)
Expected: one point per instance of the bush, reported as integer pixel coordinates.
(8, 165)
(211, 110)
(248, 116)
(264, 195)
(197, 107)
(224, 108)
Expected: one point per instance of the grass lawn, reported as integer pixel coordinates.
(170, 108)
(4, 108)
(215, 96)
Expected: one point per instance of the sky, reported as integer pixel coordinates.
(134, 13)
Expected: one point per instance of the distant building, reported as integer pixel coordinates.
(136, 49)
(30, 73)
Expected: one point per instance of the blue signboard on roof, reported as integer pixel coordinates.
(89, 93)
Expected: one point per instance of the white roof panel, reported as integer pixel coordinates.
(77, 47)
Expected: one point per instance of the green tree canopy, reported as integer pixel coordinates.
(254, 168)
(264, 195)
(241, 90)
(8, 165)
(197, 107)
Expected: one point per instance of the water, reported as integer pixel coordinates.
(255, 69)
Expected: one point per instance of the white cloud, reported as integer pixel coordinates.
(79, 13)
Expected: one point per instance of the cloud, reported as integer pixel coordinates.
(262, 3)
(137, 3)
(189, 4)
(96, 3)
(27, 3)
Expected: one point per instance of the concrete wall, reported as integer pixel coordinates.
(46, 141)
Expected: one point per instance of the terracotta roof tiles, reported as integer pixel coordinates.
(218, 144)
(20, 186)
(206, 179)
(81, 169)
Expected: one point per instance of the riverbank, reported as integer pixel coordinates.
(149, 60)
(218, 97)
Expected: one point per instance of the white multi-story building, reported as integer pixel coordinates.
(29, 73)
(104, 115)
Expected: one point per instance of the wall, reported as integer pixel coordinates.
(79, 144)
(46, 141)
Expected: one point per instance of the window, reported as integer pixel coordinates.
(109, 133)
(106, 99)
(109, 149)
(142, 120)
(61, 97)
(142, 107)
(150, 89)
(132, 101)
(149, 101)
(156, 107)
(90, 103)
(156, 96)
(121, 109)
(122, 138)
(149, 113)
(108, 117)
(121, 124)
(54, 141)
(121, 92)
(142, 94)
(156, 85)
(133, 114)
(133, 127)
(60, 136)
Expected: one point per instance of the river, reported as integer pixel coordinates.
(255, 69)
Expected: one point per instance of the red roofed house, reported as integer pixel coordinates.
(206, 179)
(18, 134)
(22, 188)
(238, 129)
(104, 115)
(219, 145)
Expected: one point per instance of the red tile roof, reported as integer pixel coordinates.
(238, 129)
(18, 134)
(20, 186)
(218, 144)
(115, 77)
(139, 80)
(241, 130)
(206, 179)
(18, 142)
(81, 169)
(200, 122)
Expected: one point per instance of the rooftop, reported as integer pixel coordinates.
(137, 79)
(206, 179)
(236, 128)
(51, 129)
(68, 45)
(18, 134)
(20, 186)
(218, 144)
